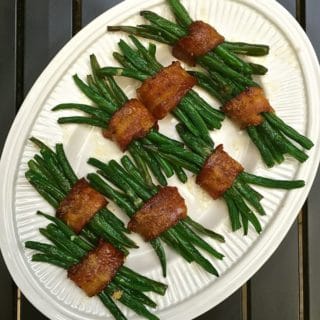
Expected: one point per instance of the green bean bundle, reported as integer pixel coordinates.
(272, 137)
(130, 192)
(68, 249)
(140, 63)
(108, 98)
(52, 176)
(222, 58)
(241, 199)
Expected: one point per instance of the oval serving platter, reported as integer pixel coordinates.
(292, 86)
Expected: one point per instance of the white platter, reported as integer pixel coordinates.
(292, 85)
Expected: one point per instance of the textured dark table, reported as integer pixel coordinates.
(288, 285)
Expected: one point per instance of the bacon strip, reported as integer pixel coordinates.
(246, 108)
(218, 173)
(97, 269)
(159, 213)
(80, 205)
(201, 39)
(131, 121)
(163, 92)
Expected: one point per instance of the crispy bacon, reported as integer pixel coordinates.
(159, 213)
(80, 205)
(163, 92)
(246, 108)
(200, 40)
(131, 121)
(218, 173)
(97, 269)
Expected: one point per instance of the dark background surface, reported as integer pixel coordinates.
(286, 287)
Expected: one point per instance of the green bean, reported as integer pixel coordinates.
(51, 251)
(95, 97)
(195, 144)
(92, 83)
(173, 242)
(123, 61)
(180, 13)
(201, 229)
(273, 135)
(149, 284)
(181, 162)
(131, 302)
(160, 139)
(152, 49)
(65, 165)
(110, 218)
(233, 61)
(69, 233)
(250, 197)
(271, 183)
(158, 248)
(83, 120)
(275, 152)
(206, 106)
(183, 154)
(58, 242)
(264, 151)
(42, 172)
(132, 169)
(205, 82)
(198, 258)
(39, 257)
(99, 232)
(117, 91)
(153, 63)
(196, 240)
(117, 180)
(109, 192)
(211, 63)
(146, 31)
(244, 209)
(45, 185)
(99, 223)
(289, 131)
(180, 173)
(163, 23)
(247, 49)
(134, 58)
(104, 89)
(258, 69)
(139, 188)
(56, 170)
(197, 120)
(138, 295)
(54, 232)
(111, 306)
(152, 164)
(45, 194)
(89, 236)
(142, 167)
(41, 145)
(183, 118)
(233, 212)
(93, 111)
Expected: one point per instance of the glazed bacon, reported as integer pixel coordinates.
(218, 173)
(163, 92)
(97, 269)
(159, 213)
(201, 39)
(131, 121)
(80, 205)
(246, 108)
